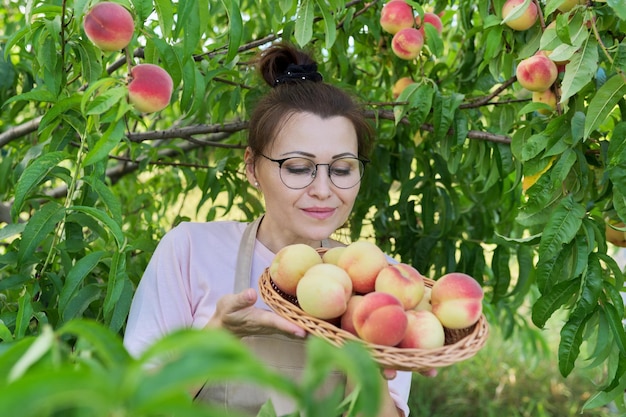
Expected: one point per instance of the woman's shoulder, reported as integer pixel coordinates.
(206, 231)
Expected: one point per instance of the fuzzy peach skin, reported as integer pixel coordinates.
(150, 89)
(324, 291)
(289, 265)
(456, 300)
(547, 97)
(525, 21)
(400, 85)
(379, 318)
(331, 256)
(362, 260)
(536, 73)
(402, 281)
(109, 26)
(432, 19)
(347, 319)
(396, 15)
(407, 43)
(424, 303)
(424, 331)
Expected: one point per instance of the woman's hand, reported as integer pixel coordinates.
(237, 314)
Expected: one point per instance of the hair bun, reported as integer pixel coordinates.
(283, 63)
(298, 73)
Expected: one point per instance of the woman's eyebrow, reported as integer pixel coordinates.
(310, 155)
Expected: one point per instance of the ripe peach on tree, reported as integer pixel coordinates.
(400, 85)
(407, 43)
(395, 16)
(109, 26)
(429, 19)
(525, 20)
(536, 73)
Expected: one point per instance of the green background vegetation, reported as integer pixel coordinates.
(88, 185)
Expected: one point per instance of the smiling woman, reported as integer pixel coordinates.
(307, 150)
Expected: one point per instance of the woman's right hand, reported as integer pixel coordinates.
(237, 314)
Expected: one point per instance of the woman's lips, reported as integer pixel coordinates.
(319, 213)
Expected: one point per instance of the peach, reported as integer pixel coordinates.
(407, 43)
(400, 85)
(432, 19)
(614, 235)
(568, 5)
(524, 21)
(324, 291)
(362, 260)
(547, 97)
(150, 88)
(402, 281)
(347, 319)
(424, 331)
(331, 256)
(536, 73)
(379, 318)
(395, 16)
(109, 26)
(290, 264)
(424, 303)
(456, 299)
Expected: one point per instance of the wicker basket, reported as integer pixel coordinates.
(460, 344)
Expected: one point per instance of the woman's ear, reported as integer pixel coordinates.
(248, 158)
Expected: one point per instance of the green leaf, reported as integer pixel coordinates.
(106, 100)
(106, 344)
(40, 347)
(500, 266)
(235, 28)
(107, 221)
(571, 339)
(81, 301)
(561, 228)
(75, 277)
(165, 14)
(603, 103)
(619, 8)
(617, 328)
(109, 140)
(443, 112)
(580, 69)
(554, 298)
(39, 226)
(304, 22)
(329, 23)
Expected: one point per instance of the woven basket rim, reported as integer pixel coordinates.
(407, 359)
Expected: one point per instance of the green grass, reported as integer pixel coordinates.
(506, 379)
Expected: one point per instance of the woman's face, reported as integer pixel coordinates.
(314, 212)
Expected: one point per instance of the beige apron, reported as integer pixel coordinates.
(284, 355)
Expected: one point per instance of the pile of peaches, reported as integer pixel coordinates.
(356, 288)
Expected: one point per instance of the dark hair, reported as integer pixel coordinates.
(311, 95)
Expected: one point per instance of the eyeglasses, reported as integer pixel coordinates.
(297, 172)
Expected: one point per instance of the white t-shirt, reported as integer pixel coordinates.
(191, 269)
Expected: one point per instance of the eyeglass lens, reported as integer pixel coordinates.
(301, 172)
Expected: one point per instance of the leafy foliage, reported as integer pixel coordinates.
(467, 175)
(46, 376)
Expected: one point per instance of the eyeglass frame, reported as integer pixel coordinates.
(280, 163)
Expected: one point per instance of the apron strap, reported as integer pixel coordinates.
(245, 255)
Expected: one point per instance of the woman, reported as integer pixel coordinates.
(306, 154)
